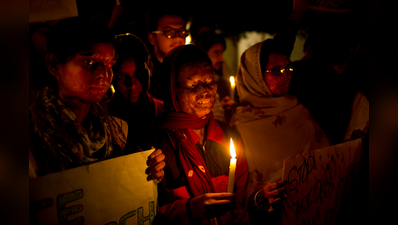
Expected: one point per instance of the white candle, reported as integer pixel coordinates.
(232, 82)
(232, 167)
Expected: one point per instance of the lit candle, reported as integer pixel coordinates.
(188, 39)
(232, 167)
(232, 81)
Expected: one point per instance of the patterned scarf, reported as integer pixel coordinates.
(66, 140)
(198, 177)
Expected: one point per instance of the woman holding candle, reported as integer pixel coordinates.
(196, 147)
(272, 124)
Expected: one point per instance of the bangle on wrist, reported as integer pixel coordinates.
(255, 201)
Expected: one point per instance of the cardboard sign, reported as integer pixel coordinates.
(317, 181)
(114, 191)
(47, 10)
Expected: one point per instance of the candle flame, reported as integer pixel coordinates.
(232, 80)
(232, 149)
(188, 39)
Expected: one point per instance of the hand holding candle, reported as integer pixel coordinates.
(232, 167)
(232, 81)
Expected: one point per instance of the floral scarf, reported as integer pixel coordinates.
(272, 128)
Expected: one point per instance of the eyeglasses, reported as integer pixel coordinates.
(278, 71)
(170, 32)
(120, 37)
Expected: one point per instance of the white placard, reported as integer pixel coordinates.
(47, 10)
(114, 191)
(317, 182)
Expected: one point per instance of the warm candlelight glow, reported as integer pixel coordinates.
(232, 149)
(188, 39)
(232, 80)
(232, 167)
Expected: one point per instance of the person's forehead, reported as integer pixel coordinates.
(128, 63)
(275, 59)
(170, 21)
(196, 74)
(217, 47)
(101, 50)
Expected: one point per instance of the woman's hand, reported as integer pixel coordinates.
(155, 165)
(212, 205)
(270, 194)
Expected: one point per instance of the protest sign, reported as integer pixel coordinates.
(47, 10)
(114, 191)
(317, 182)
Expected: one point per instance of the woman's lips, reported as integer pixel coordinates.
(99, 88)
(284, 86)
(204, 102)
(175, 45)
(134, 93)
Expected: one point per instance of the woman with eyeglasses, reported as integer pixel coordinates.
(67, 126)
(272, 124)
(131, 101)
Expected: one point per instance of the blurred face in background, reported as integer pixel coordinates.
(215, 55)
(126, 81)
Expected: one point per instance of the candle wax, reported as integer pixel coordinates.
(231, 177)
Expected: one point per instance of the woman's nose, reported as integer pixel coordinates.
(286, 75)
(102, 71)
(203, 88)
(130, 81)
(127, 81)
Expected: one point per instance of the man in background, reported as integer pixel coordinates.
(166, 28)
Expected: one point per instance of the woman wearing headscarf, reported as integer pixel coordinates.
(196, 147)
(131, 101)
(272, 124)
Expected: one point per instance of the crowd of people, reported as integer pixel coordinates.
(97, 94)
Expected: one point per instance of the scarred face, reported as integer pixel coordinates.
(196, 89)
(87, 75)
(278, 85)
(126, 82)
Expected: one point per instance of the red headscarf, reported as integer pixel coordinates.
(178, 122)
